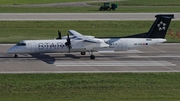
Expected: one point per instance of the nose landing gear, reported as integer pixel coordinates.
(15, 56)
(83, 53)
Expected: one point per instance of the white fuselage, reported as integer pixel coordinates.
(58, 46)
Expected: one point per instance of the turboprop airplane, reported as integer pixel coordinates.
(80, 43)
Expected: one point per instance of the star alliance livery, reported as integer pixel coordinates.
(77, 42)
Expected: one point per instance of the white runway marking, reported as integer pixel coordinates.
(129, 51)
(154, 56)
(113, 63)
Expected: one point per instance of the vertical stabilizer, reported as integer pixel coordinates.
(158, 29)
(160, 26)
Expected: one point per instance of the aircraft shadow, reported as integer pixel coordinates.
(45, 58)
(72, 56)
(51, 59)
(7, 57)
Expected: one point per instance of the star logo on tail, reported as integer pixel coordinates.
(161, 26)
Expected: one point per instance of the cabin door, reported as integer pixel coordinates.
(33, 47)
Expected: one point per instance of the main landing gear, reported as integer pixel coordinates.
(92, 57)
(15, 56)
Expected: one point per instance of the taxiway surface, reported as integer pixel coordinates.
(80, 16)
(161, 58)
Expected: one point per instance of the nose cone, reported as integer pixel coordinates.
(11, 50)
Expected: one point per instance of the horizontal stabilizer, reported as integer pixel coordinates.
(170, 16)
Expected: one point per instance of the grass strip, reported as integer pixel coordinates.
(95, 2)
(89, 9)
(88, 87)
(12, 2)
(143, 3)
(7, 6)
(15, 31)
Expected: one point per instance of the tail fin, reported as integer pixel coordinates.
(158, 29)
(160, 26)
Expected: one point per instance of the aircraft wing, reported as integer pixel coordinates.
(75, 33)
(82, 37)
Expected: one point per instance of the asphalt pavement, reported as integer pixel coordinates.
(161, 58)
(80, 16)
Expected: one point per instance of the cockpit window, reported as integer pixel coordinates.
(21, 44)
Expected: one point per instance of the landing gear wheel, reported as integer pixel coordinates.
(83, 53)
(92, 57)
(16, 56)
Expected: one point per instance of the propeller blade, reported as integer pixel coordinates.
(68, 43)
(68, 36)
(59, 35)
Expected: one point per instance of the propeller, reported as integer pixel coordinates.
(59, 35)
(68, 43)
